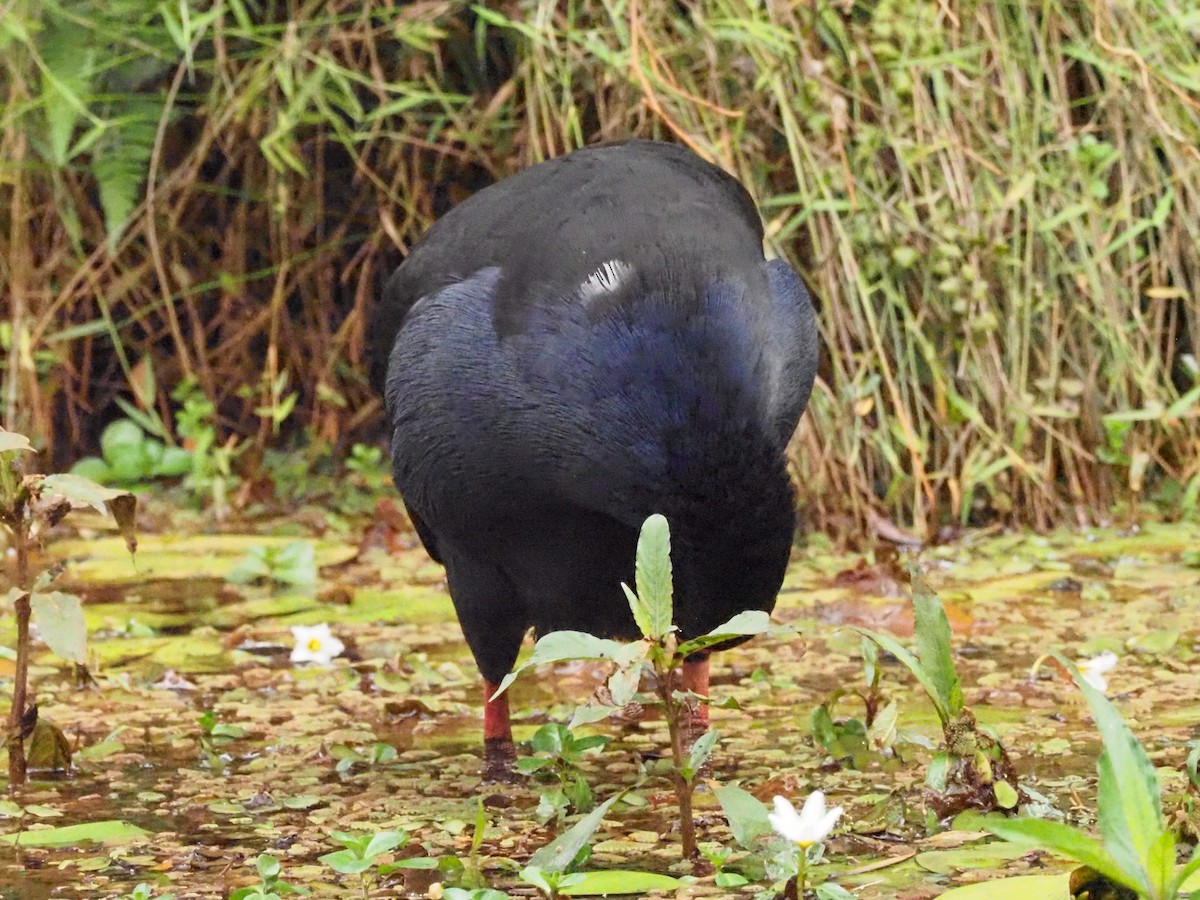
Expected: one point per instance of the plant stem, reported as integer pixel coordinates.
(683, 789)
(801, 872)
(16, 747)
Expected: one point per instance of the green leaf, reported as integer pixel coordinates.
(562, 645)
(617, 882)
(1062, 839)
(938, 772)
(66, 79)
(121, 158)
(1130, 808)
(11, 441)
(701, 750)
(384, 841)
(1022, 887)
(831, 891)
(345, 862)
(267, 866)
(81, 492)
(750, 622)
(1006, 796)
(898, 650)
(110, 831)
(60, 621)
(652, 605)
(561, 852)
(933, 637)
(746, 814)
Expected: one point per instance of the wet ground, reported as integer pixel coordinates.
(171, 640)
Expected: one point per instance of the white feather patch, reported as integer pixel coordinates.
(605, 280)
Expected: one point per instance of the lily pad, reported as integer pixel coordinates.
(110, 831)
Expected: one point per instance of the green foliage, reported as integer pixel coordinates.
(974, 768)
(348, 758)
(271, 886)
(996, 299)
(933, 665)
(292, 565)
(661, 653)
(557, 756)
(144, 891)
(363, 852)
(26, 502)
(1137, 847)
(215, 737)
(130, 457)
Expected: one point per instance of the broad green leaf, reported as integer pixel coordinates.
(933, 637)
(746, 814)
(109, 831)
(562, 645)
(10, 441)
(750, 622)
(561, 852)
(346, 862)
(618, 882)
(652, 605)
(938, 772)
(1062, 839)
(60, 621)
(1022, 887)
(384, 841)
(267, 866)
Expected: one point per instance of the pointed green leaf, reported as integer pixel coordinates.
(652, 605)
(750, 622)
(561, 852)
(933, 637)
(746, 814)
(563, 645)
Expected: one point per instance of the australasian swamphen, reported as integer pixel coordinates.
(593, 340)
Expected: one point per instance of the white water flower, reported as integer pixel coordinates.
(1093, 669)
(315, 644)
(809, 826)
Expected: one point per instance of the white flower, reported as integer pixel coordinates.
(810, 826)
(315, 644)
(1093, 669)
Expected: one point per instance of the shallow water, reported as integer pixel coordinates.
(171, 640)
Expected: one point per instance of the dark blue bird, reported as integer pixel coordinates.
(570, 350)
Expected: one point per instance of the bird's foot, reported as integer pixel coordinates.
(499, 755)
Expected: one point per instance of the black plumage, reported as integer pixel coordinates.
(593, 340)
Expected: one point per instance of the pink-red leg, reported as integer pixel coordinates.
(499, 753)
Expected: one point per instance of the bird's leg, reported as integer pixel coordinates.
(695, 679)
(499, 753)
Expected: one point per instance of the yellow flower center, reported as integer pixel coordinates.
(314, 645)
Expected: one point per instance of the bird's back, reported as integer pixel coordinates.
(657, 208)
